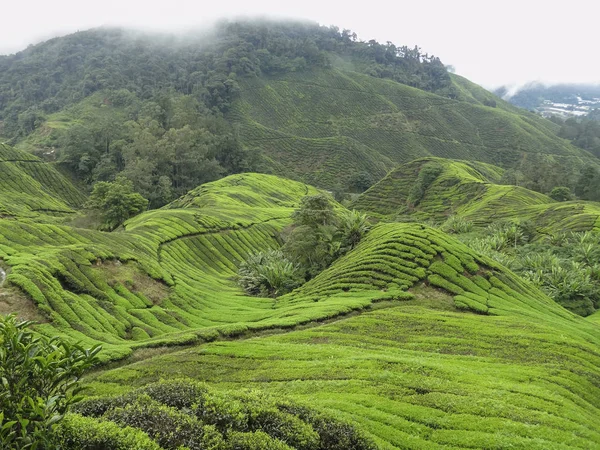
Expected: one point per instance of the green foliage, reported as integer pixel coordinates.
(457, 225)
(40, 381)
(583, 132)
(117, 201)
(564, 265)
(83, 433)
(360, 182)
(268, 273)
(314, 211)
(184, 412)
(320, 235)
(588, 185)
(561, 194)
(352, 225)
(169, 427)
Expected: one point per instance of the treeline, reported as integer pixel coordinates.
(584, 132)
(554, 177)
(165, 145)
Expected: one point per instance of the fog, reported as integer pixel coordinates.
(492, 43)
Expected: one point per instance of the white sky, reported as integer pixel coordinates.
(489, 42)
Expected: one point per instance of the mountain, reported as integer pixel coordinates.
(294, 99)
(562, 100)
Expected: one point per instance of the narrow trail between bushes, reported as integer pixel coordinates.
(144, 353)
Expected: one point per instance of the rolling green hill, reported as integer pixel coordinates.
(469, 189)
(423, 343)
(469, 357)
(29, 187)
(413, 338)
(323, 126)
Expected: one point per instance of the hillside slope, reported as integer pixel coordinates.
(30, 187)
(469, 357)
(470, 190)
(323, 126)
(451, 349)
(313, 103)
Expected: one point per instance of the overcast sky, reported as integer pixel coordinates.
(490, 42)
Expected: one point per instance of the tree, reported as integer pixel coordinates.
(39, 382)
(360, 182)
(314, 210)
(588, 185)
(353, 225)
(116, 201)
(561, 194)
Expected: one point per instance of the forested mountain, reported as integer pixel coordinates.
(171, 112)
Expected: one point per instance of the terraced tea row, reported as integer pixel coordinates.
(423, 371)
(168, 279)
(30, 188)
(468, 190)
(382, 123)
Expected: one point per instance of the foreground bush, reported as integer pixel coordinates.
(187, 414)
(39, 382)
(83, 433)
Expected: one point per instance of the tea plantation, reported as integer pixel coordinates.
(470, 190)
(458, 353)
(322, 126)
(409, 340)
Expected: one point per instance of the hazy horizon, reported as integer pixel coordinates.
(514, 44)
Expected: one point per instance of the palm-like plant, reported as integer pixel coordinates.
(353, 225)
(268, 273)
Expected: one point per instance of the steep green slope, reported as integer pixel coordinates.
(469, 190)
(323, 126)
(29, 187)
(421, 371)
(169, 278)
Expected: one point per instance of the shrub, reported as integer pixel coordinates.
(268, 273)
(334, 434)
(457, 225)
(257, 440)
(283, 426)
(83, 433)
(167, 426)
(40, 381)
